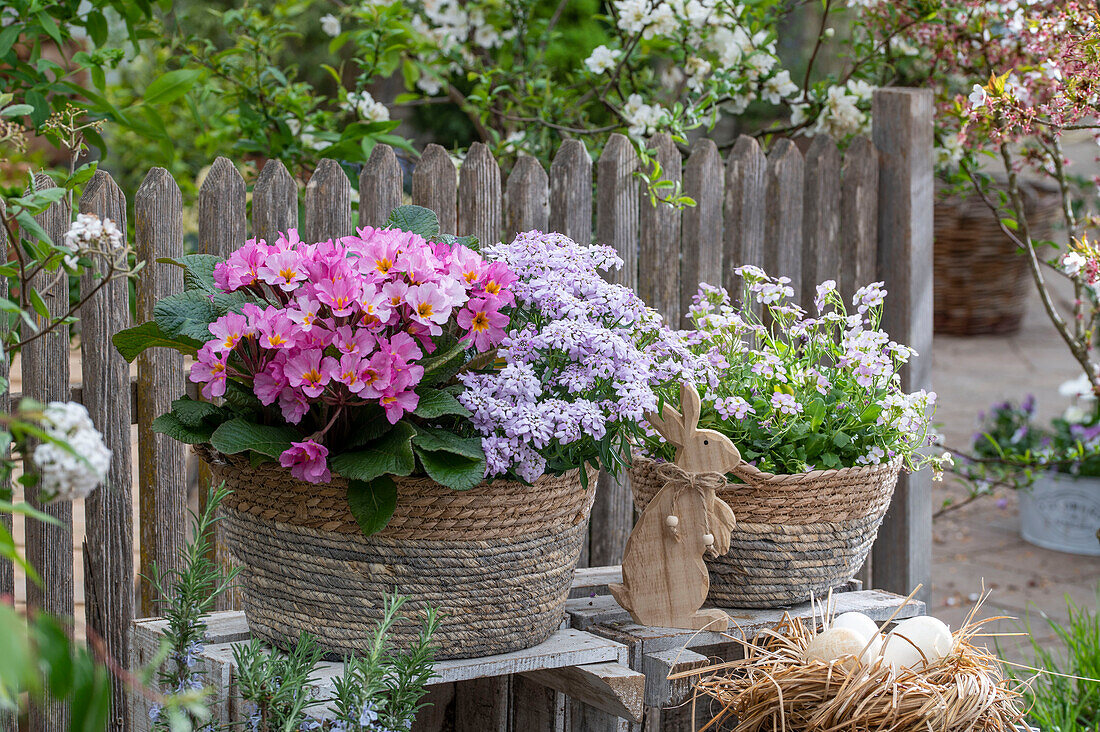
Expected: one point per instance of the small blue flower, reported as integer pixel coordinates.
(154, 712)
(309, 724)
(369, 715)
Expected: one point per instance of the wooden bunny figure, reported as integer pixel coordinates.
(665, 580)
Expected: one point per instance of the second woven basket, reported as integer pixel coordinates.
(796, 535)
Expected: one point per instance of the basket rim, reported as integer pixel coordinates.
(760, 476)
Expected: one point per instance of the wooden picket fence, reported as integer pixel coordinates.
(856, 217)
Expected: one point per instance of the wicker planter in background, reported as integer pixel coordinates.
(496, 560)
(980, 278)
(796, 535)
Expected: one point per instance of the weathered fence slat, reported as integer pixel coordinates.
(380, 186)
(435, 186)
(222, 224)
(8, 721)
(571, 192)
(744, 209)
(108, 512)
(859, 217)
(45, 364)
(702, 231)
(783, 226)
(274, 202)
(659, 250)
(479, 196)
(528, 197)
(903, 135)
(617, 227)
(158, 230)
(222, 219)
(820, 218)
(328, 203)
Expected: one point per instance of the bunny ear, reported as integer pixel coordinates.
(689, 402)
(669, 424)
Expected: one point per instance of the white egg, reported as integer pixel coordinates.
(858, 622)
(906, 643)
(834, 643)
(874, 650)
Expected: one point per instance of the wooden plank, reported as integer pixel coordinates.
(616, 227)
(659, 250)
(571, 192)
(158, 231)
(438, 707)
(45, 363)
(536, 707)
(479, 196)
(702, 233)
(380, 186)
(612, 687)
(660, 691)
(859, 217)
(274, 202)
(593, 581)
(108, 511)
(482, 705)
(593, 614)
(328, 203)
(783, 227)
(743, 209)
(435, 186)
(222, 221)
(528, 198)
(9, 721)
(902, 555)
(820, 218)
(585, 718)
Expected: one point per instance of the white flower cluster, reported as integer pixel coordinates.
(90, 234)
(450, 24)
(63, 474)
(840, 114)
(366, 106)
(644, 119)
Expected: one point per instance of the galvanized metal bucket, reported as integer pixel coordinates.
(1062, 512)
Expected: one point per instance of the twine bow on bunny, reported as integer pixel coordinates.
(665, 580)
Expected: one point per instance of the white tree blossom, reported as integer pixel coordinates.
(74, 473)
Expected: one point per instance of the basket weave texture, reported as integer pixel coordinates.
(796, 535)
(496, 560)
(979, 276)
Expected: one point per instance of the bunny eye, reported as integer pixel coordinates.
(706, 442)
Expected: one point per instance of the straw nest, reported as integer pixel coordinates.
(774, 689)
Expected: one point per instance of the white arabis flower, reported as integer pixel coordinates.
(602, 59)
(62, 473)
(1073, 263)
(330, 24)
(778, 87)
(978, 96)
(1075, 414)
(366, 107)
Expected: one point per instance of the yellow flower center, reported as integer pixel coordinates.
(424, 309)
(480, 322)
(287, 274)
(275, 340)
(383, 265)
(492, 287)
(313, 376)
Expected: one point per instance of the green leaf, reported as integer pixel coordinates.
(390, 454)
(133, 341)
(433, 439)
(171, 425)
(842, 439)
(457, 472)
(436, 403)
(187, 314)
(830, 460)
(16, 110)
(172, 85)
(8, 36)
(443, 364)
(372, 502)
(96, 25)
(38, 303)
(415, 220)
(192, 412)
(238, 435)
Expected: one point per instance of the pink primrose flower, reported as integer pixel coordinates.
(311, 371)
(356, 341)
(269, 383)
(228, 330)
(305, 312)
(496, 280)
(430, 306)
(340, 295)
(277, 331)
(484, 323)
(306, 461)
(293, 404)
(241, 268)
(284, 269)
(396, 403)
(209, 369)
(374, 376)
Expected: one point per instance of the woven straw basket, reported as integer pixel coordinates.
(496, 560)
(796, 535)
(979, 277)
